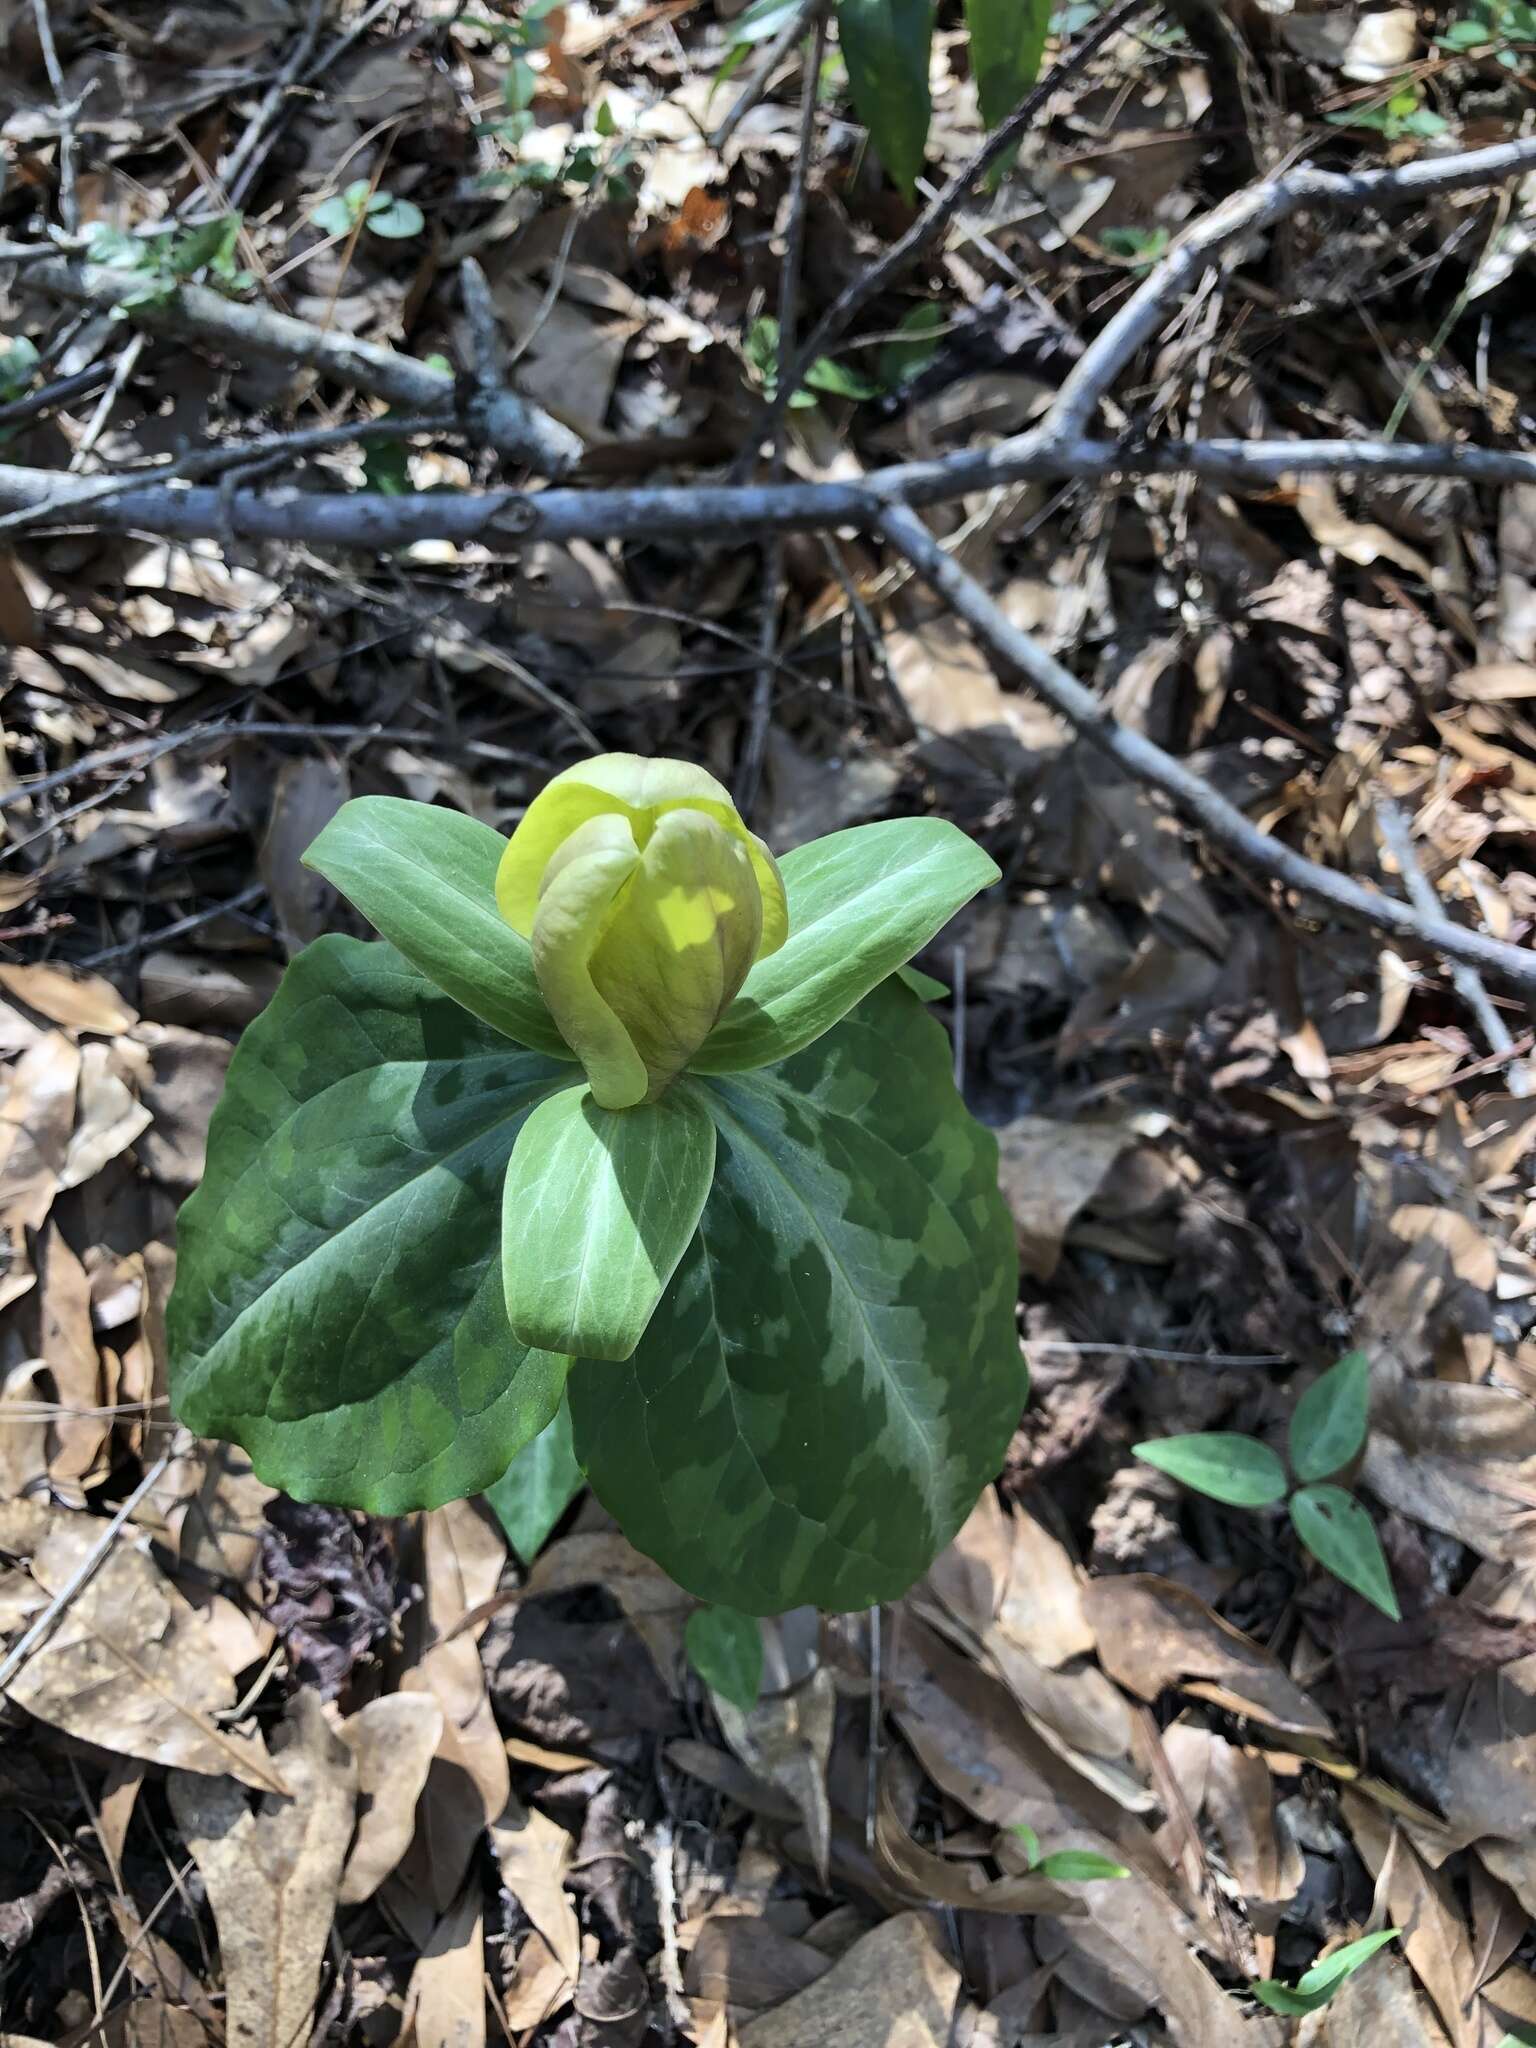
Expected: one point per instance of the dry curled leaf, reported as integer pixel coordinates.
(272, 1874)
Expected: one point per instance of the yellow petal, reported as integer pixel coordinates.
(642, 792)
(681, 940)
(583, 886)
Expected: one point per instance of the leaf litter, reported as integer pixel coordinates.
(310, 1777)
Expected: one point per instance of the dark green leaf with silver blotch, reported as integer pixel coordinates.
(833, 1373)
(338, 1308)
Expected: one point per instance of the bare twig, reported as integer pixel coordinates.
(761, 78)
(1465, 979)
(946, 203)
(1223, 823)
(516, 429)
(750, 773)
(240, 168)
(81, 385)
(69, 209)
(205, 462)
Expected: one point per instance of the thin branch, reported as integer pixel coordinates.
(1246, 213)
(516, 429)
(945, 204)
(750, 774)
(1222, 823)
(1465, 979)
(731, 512)
(241, 167)
(762, 77)
(69, 208)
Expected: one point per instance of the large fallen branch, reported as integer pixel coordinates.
(1221, 822)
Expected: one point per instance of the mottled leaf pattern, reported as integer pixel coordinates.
(338, 1306)
(834, 1372)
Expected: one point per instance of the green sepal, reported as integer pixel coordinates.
(598, 1209)
(337, 1309)
(1221, 1464)
(834, 1372)
(426, 879)
(861, 903)
(1329, 1422)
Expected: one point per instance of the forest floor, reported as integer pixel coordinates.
(1241, 1137)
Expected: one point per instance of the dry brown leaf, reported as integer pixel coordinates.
(1048, 1171)
(394, 1740)
(1375, 2008)
(307, 794)
(470, 1783)
(1460, 1458)
(108, 1115)
(272, 1874)
(1153, 1634)
(77, 1436)
(1330, 526)
(1434, 1937)
(18, 621)
(445, 2004)
(79, 1002)
(893, 1989)
(1042, 1606)
(926, 1879)
(35, 1128)
(652, 1603)
(1496, 682)
(540, 1985)
(785, 1741)
(533, 1859)
(739, 1959)
(23, 1428)
(129, 1665)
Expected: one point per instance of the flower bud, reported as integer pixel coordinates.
(646, 901)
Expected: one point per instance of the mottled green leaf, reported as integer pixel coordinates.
(1007, 44)
(861, 903)
(599, 1207)
(834, 1372)
(426, 878)
(1079, 1866)
(1341, 1536)
(1329, 1422)
(885, 44)
(725, 1647)
(1236, 1469)
(337, 1309)
(1324, 1978)
(538, 1486)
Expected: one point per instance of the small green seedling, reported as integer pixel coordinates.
(1328, 1430)
(628, 1154)
(1502, 29)
(171, 257)
(18, 366)
(1066, 1866)
(825, 374)
(394, 220)
(1323, 1979)
(725, 1647)
(1141, 247)
(1402, 114)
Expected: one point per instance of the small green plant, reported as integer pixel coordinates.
(1327, 1432)
(393, 219)
(171, 257)
(1502, 29)
(1401, 115)
(18, 366)
(1323, 1979)
(825, 374)
(623, 1130)
(1141, 246)
(1066, 1866)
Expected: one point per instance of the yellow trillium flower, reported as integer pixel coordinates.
(646, 901)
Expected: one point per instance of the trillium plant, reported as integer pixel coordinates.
(626, 1145)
